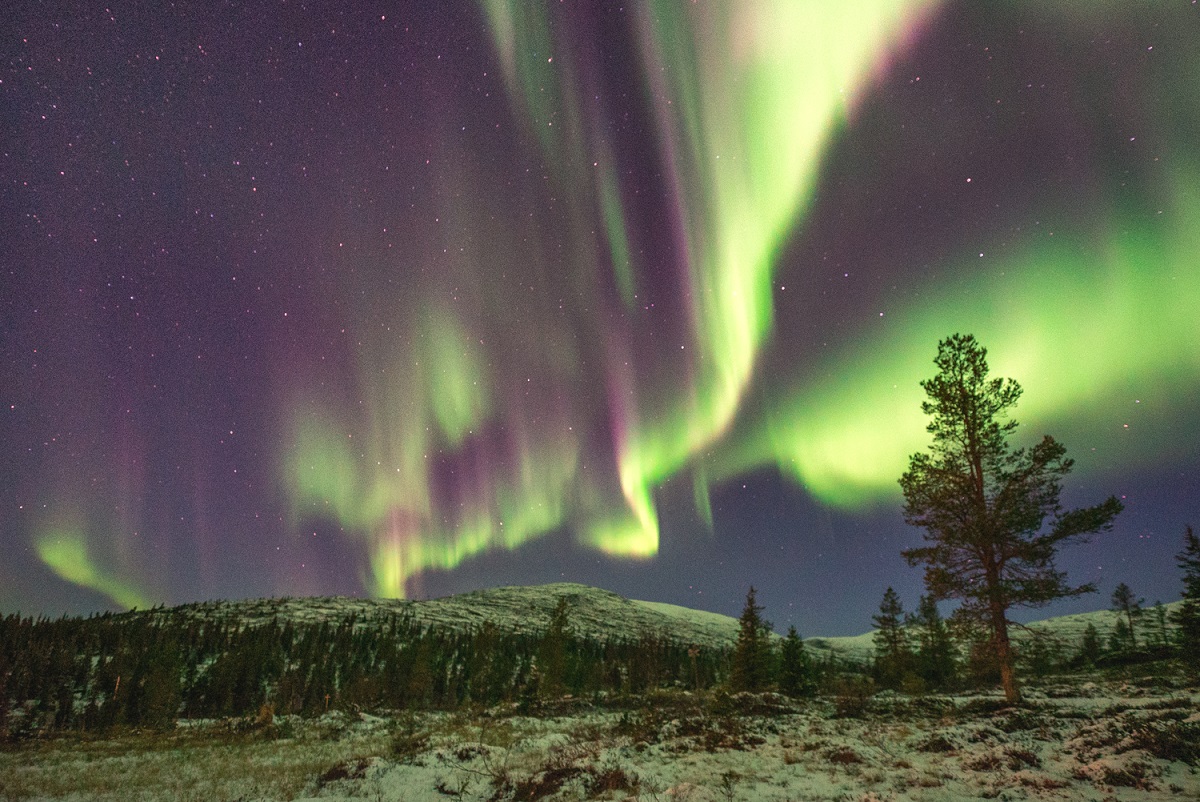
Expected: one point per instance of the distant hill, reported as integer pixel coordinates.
(595, 614)
(1065, 631)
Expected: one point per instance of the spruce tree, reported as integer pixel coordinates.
(158, 693)
(795, 669)
(420, 681)
(1125, 602)
(4, 703)
(937, 656)
(751, 655)
(893, 652)
(1187, 617)
(1120, 639)
(552, 653)
(1090, 649)
(1162, 639)
(1041, 654)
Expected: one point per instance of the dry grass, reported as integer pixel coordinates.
(186, 765)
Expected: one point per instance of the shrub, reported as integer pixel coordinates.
(544, 784)
(353, 769)
(1019, 758)
(1020, 720)
(407, 743)
(937, 742)
(608, 778)
(1172, 740)
(852, 696)
(843, 756)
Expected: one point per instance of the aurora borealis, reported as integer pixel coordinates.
(418, 297)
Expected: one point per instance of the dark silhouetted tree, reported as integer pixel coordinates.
(1090, 648)
(983, 504)
(1127, 604)
(937, 656)
(420, 680)
(552, 654)
(1187, 617)
(752, 654)
(4, 703)
(1119, 640)
(1159, 614)
(158, 693)
(893, 651)
(796, 678)
(1041, 654)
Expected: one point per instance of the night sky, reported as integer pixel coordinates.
(418, 298)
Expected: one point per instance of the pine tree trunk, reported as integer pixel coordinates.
(1008, 680)
(998, 611)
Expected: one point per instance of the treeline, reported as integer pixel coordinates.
(924, 652)
(921, 651)
(144, 670)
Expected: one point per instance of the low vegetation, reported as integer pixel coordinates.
(1075, 738)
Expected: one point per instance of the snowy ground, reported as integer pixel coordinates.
(1090, 741)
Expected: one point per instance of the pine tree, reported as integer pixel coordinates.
(158, 693)
(1119, 639)
(1187, 617)
(1159, 611)
(482, 664)
(893, 652)
(1090, 649)
(751, 655)
(1126, 603)
(795, 669)
(937, 656)
(420, 680)
(552, 654)
(983, 504)
(1041, 654)
(4, 703)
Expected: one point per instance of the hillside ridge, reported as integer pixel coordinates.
(594, 613)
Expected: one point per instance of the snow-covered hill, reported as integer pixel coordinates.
(593, 613)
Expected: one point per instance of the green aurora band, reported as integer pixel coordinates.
(63, 548)
(1122, 306)
(747, 105)
(754, 98)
